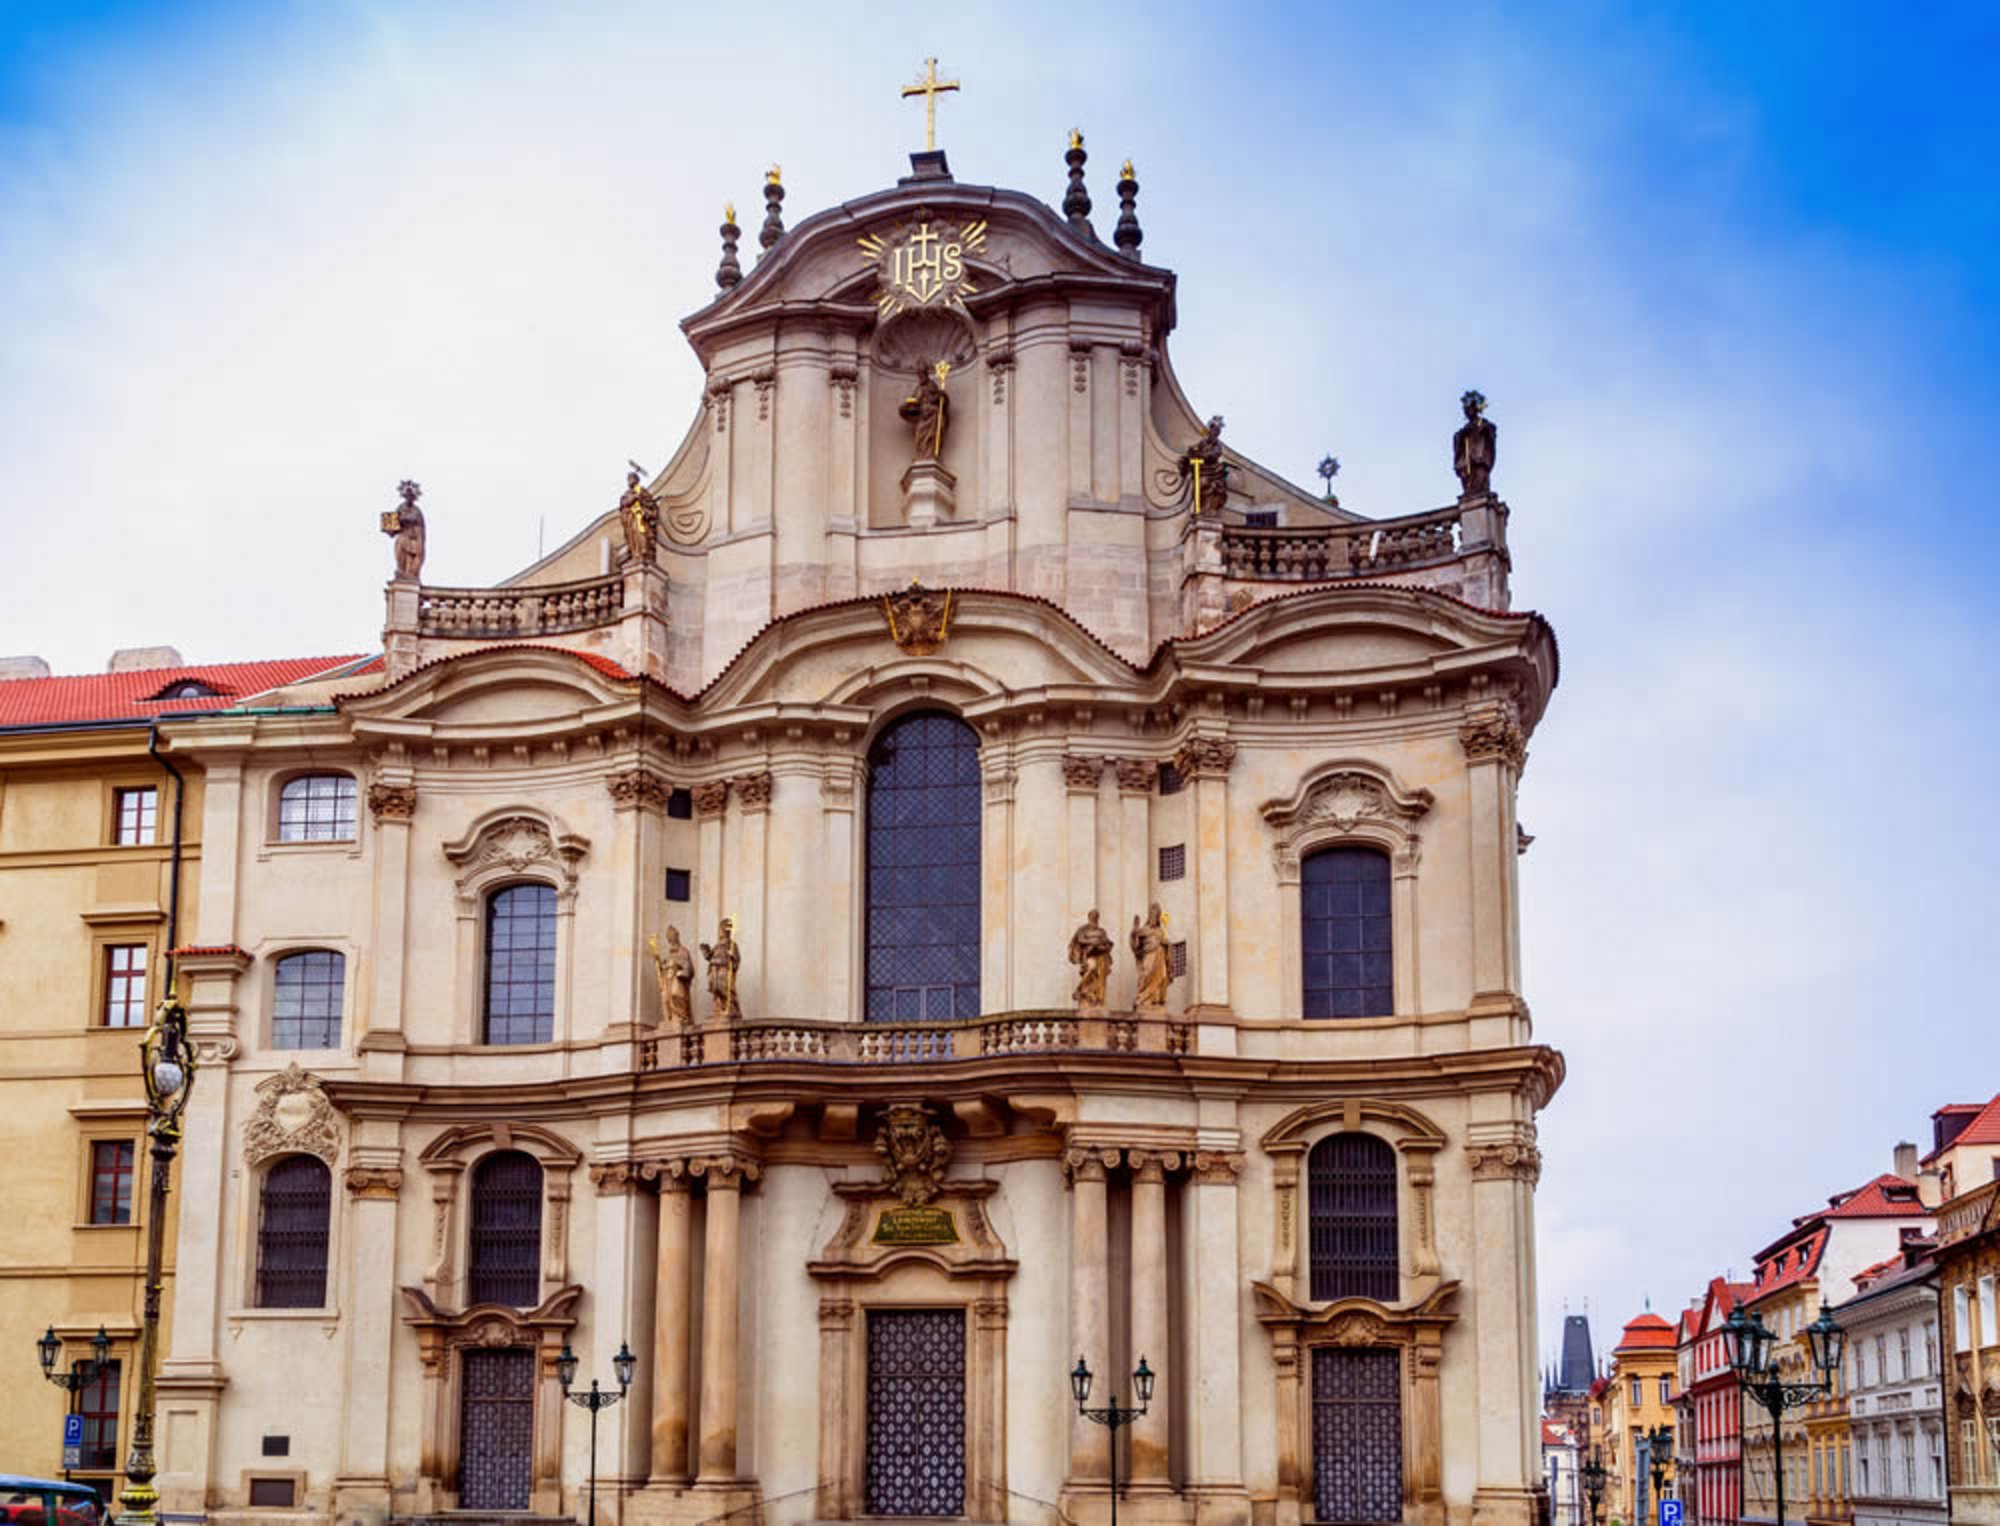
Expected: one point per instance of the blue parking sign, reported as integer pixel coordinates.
(72, 1441)
(1670, 1513)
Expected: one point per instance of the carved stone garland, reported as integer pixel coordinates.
(516, 842)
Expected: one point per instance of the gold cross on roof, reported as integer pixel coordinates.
(930, 87)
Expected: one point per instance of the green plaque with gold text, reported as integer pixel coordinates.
(916, 1226)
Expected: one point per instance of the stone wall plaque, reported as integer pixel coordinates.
(916, 1226)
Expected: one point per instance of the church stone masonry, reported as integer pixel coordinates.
(760, 817)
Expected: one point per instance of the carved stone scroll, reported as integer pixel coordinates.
(293, 1117)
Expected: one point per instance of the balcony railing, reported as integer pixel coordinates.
(1011, 1033)
(1320, 552)
(547, 609)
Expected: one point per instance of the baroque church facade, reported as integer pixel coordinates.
(959, 872)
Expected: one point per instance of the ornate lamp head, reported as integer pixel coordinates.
(1828, 1342)
(1079, 1382)
(623, 1363)
(1142, 1381)
(47, 1349)
(166, 1064)
(566, 1367)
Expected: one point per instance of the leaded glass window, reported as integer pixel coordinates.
(1351, 1218)
(1344, 924)
(521, 965)
(317, 808)
(923, 871)
(505, 1263)
(305, 1001)
(292, 1234)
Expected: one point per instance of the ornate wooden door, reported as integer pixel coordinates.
(916, 1412)
(1357, 1400)
(497, 1428)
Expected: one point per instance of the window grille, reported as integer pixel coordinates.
(915, 1463)
(1351, 1219)
(1260, 519)
(138, 815)
(923, 937)
(306, 1000)
(505, 1263)
(1177, 959)
(111, 1162)
(1173, 862)
(1170, 779)
(521, 965)
(98, 1405)
(292, 1234)
(680, 884)
(317, 808)
(1346, 960)
(125, 985)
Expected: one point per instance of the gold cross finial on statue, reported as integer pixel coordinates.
(930, 87)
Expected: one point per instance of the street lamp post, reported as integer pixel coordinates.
(1593, 1485)
(1660, 1456)
(1749, 1342)
(595, 1399)
(1114, 1414)
(82, 1372)
(166, 1065)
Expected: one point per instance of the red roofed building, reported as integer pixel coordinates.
(1708, 1444)
(1640, 1397)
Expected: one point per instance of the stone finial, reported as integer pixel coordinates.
(728, 273)
(1329, 468)
(1076, 200)
(1129, 233)
(774, 215)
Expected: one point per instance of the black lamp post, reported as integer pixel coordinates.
(1114, 1414)
(1660, 1457)
(82, 1372)
(1593, 1485)
(595, 1399)
(1749, 1343)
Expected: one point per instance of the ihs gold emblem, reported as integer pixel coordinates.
(924, 266)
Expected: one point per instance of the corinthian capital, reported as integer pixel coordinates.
(1492, 731)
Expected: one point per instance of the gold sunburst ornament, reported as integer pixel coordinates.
(924, 265)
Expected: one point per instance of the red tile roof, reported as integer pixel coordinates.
(1983, 1130)
(133, 696)
(1792, 1260)
(1648, 1332)
(602, 664)
(1886, 1197)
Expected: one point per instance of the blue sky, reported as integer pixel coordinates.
(1725, 273)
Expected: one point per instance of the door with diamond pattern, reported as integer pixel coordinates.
(1357, 1406)
(497, 1428)
(916, 1412)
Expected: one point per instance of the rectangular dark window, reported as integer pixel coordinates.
(138, 815)
(125, 985)
(274, 1493)
(680, 804)
(1260, 519)
(98, 1405)
(680, 884)
(1177, 959)
(277, 1446)
(1173, 862)
(111, 1181)
(1170, 779)
(1344, 926)
(294, 1210)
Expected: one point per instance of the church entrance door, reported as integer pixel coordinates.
(1357, 1434)
(497, 1428)
(916, 1412)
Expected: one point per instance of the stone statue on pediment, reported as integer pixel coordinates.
(639, 515)
(725, 958)
(674, 968)
(1090, 951)
(1474, 448)
(404, 524)
(1149, 948)
(929, 410)
(1204, 471)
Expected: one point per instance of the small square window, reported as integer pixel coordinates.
(680, 804)
(1170, 779)
(680, 884)
(274, 1493)
(138, 816)
(277, 1446)
(111, 1181)
(1177, 959)
(1173, 862)
(1260, 519)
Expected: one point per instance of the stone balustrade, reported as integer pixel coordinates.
(1011, 1033)
(546, 609)
(1317, 553)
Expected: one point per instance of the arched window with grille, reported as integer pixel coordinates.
(521, 965)
(1351, 1218)
(504, 1260)
(1346, 957)
(923, 871)
(306, 991)
(293, 1211)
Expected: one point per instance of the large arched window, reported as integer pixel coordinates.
(521, 965)
(306, 992)
(1351, 1218)
(1346, 956)
(292, 1215)
(504, 1261)
(923, 871)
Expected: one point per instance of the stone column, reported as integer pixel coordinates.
(670, 1328)
(392, 800)
(1089, 1322)
(1495, 749)
(1215, 1386)
(374, 1181)
(721, 1269)
(998, 778)
(1038, 923)
(1204, 762)
(1149, 1307)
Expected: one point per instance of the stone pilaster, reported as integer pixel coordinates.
(1150, 1337)
(1089, 1311)
(721, 1287)
(1215, 1472)
(1204, 763)
(674, 1271)
(374, 1183)
(1495, 751)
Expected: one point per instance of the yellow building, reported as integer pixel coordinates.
(94, 844)
(1638, 1398)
